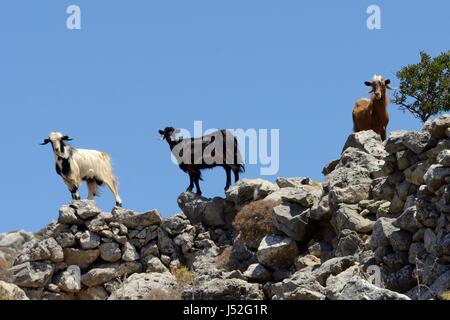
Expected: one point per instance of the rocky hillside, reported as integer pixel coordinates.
(376, 228)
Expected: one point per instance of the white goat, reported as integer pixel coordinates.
(77, 165)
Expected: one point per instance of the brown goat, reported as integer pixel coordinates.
(372, 114)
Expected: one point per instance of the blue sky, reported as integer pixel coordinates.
(138, 66)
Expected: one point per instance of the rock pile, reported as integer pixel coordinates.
(376, 228)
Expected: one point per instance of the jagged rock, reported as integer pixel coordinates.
(32, 274)
(306, 261)
(439, 126)
(146, 286)
(300, 286)
(415, 174)
(165, 244)
(443, 246)
(276, 251)
(357, 288)
(89, 240)
(224, 289)
(81, 258)
(150, 249)
(110, 252)
(382, 190)
(367, 141)
(257, 273)
(175, 225)
(70, 280)
(382, 232)
(294, 182)
(305, 195)
(329, 167)
(214, 213)
(347, 217)
(85, 209)
(429, 240)
(353, 157)
(133, 221)
(129, 252)
(97, 276)
(443, 158)
(9, 291)
(416, 252)
(193, 206)
(408, 220)
(435, 290)
(400, 240)
(247, 190)
(349, 195)
(435, 176)
(292, 220)
(153, 264)
(67, 216)
(47, 249)
(349, 244)
(93, 293)
(333, 266)
(401, 280)
(185, 241)
(321, 211)
(15, 239)
(65, 239)
(417, 142)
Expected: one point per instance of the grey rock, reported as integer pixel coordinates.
(9, 291)
(85, 209)
(176, 224)
(15, 239)
(47, 249)
(400, 240)
(97, 276)
(70, 280)
(150, 249)
(367, 141)
(350, 195)
(382, 231)
(110, 252)
(415, 173)
(146, 286)
(294, 182)
(349, 244)
(67, 216)
(81, 258)
(347, 217)
(292, 219)
(32, 274)
(416, 252)
(333, 266)
(305, 195)
(429, 241)
(165, 243)
(276, 251)
(129, 252)
(322, 210)
(93, 293)
(65, 239)
(258, 273)
(153, 264)
(435, 176)
(300, 286)
(246, 190)
(305, 261)
(439, 126)
(357, 288)
(133, 221)
(408, 220)
(224, 289)
(89, 240)
(443, 158)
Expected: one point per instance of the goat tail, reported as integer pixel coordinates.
(241, 168)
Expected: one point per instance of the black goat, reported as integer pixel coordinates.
(218, 149)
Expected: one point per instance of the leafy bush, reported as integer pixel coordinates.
(424, 86)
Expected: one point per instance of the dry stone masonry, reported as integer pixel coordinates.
(378, 227)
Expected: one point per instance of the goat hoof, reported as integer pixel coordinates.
(118, 204)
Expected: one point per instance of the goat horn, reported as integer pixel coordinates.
(391, 88)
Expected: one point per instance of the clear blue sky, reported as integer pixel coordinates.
(138, 66)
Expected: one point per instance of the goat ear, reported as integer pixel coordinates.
(161, 132)
(66, 138)
(368, 83)
(46, 141)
